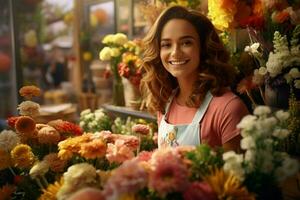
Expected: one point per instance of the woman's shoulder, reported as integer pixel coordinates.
(227, 100)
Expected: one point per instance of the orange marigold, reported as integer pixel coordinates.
(25, 125)
(93, 149)
(30, 91)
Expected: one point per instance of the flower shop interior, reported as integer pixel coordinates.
(75, 125)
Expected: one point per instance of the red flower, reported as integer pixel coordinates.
(11, 121)
(123, 70)
(200, 191)
(65, 127)
(18, 179)
(254, 21)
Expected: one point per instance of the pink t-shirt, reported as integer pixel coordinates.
(218, 125)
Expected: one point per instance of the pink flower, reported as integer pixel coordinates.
(87, 194)
(144, 156)
(169, 174)
(118, 152)
(141, 129)
(199, 191)
(128, 178)
(129, 140)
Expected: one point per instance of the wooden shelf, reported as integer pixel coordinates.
(125, 112)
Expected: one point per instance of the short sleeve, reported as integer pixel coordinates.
(232, 114)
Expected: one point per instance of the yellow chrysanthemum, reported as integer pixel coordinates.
(5, 160)
(221, 13)
(22, 156)
(51, 191)
(93, 149)
(227, 186)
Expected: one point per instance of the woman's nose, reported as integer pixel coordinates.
(176, 50)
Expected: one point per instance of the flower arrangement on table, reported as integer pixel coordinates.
(124, 62)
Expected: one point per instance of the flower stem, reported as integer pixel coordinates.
(12, 171)
(251, 99)
(262, 95)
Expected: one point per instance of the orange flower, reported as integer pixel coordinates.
(55, 163)
(280, 17)
(25, 125)
(48, 135)
(11, 121)
(246, 85)
(51, 191)
(29, 91)
(93, 149)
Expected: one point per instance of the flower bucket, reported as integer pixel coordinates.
(132, 94)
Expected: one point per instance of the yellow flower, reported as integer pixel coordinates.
(93, 20)
(115, 52)
(105, 54)
(30, 38)
(22, 156)
(227, 186)
(51, 191)
(220, 14)
(120, 39)
(108, 39)
(5, 160)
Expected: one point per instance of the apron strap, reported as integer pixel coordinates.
(202, 109)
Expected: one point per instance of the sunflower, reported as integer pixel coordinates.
(227, 186)
(51, 191)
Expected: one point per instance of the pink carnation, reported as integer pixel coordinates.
(200, 191)
(141, 129)
(144, 156)
(169, 174)
(128, 178)
(118, 152)
(129, 140)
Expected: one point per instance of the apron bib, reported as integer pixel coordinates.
(170, 135)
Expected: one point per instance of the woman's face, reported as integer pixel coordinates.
(180, 49)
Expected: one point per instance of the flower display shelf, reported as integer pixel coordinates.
(126, 111)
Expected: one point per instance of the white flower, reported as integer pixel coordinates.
(262, 71)
(266, 125)
(39, 169)
(85, 112)
(80, 173)
(281, 133)
(282, 115)
(120, 39)
(297, 84)
(29, 108)
(258, 79)
(89, 116)
(288, 77)
(8, 140)
(290, 166)
(247, 123)
(247, 143)
(81, 124)
(233, 164)
(105, 54)
(294, 73)
(261, 110)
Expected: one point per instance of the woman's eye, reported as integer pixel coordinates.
(187, 43)
(165, 45)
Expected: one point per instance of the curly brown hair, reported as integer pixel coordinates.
(215, 72)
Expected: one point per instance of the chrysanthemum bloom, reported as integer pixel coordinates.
(51, 191)
(8, 140)
(93, 149)
(130, 141)
(29, 108)
(22, 156)
(169, 175)
(55, 163)
(11, 121)
(141, 129)
(5, 160)
(118, 152)
(39, 170)
(40, 126)
(65, 127)
(87, 194)
(199, 191)
(227, 185)
(48, 135)
(25, 125)
(6, 191)
(30, 91)
(130, 177)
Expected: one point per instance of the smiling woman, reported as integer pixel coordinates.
(187, 82)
